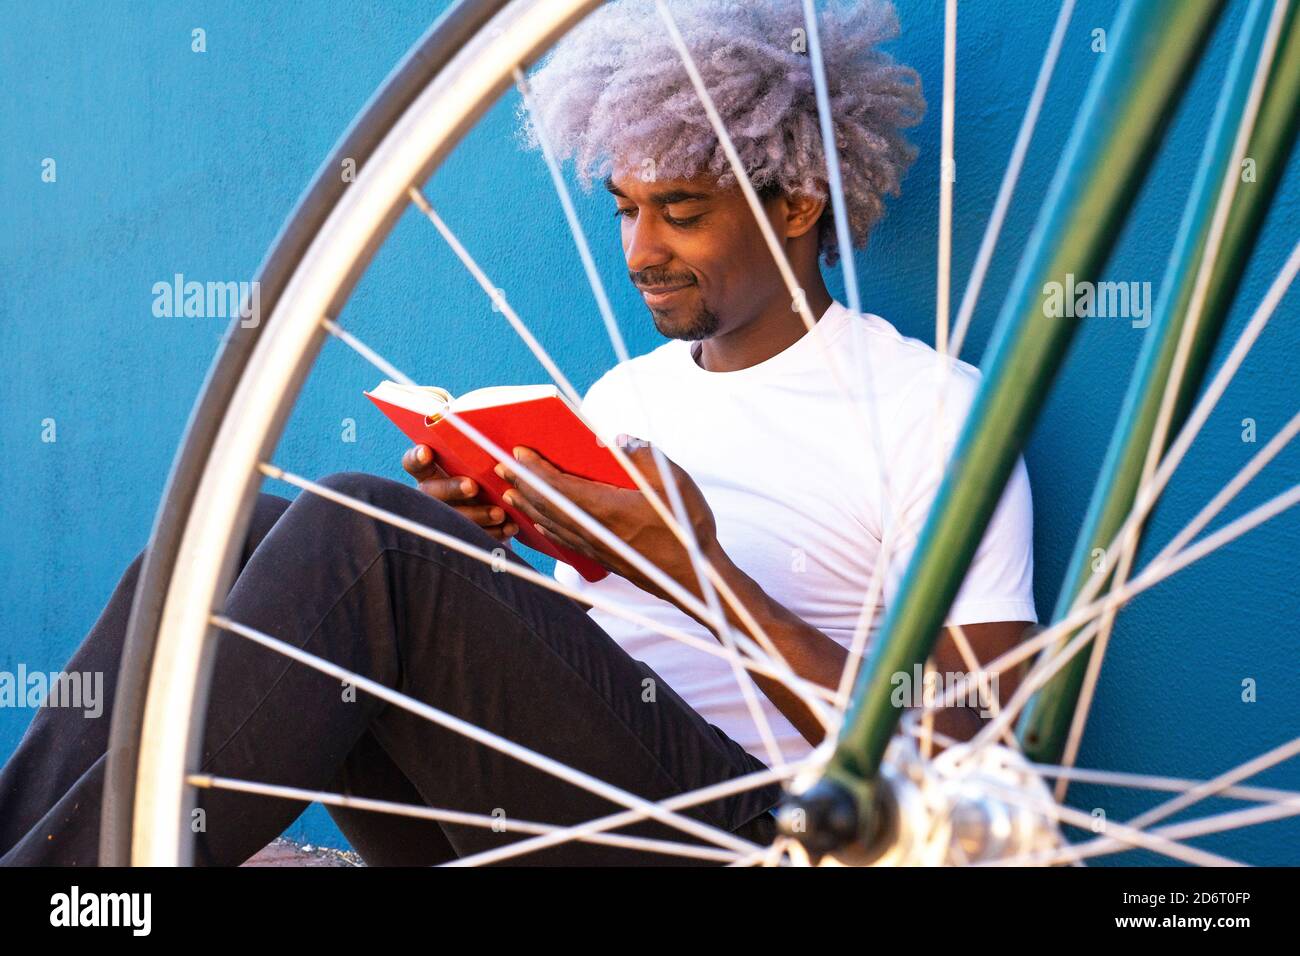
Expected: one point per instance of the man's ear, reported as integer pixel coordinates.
(803, 211)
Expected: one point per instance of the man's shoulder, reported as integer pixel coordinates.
(913, 369)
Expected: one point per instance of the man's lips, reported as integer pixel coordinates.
(657, 295)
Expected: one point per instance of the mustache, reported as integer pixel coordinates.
(659, 280)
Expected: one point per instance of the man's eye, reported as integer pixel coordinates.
(681, 222)
(630, 211)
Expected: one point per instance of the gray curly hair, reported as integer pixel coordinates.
(590, 97)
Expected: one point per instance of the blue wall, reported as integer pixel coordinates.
(173, 161)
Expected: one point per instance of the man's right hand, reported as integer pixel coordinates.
(458, 491)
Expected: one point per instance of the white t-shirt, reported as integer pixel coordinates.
(791, 476)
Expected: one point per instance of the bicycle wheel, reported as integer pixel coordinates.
(444, 86)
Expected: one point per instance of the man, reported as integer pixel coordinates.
(752, 413)
(782, 486)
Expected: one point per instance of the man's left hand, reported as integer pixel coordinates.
(627, 514)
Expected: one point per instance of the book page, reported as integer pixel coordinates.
(495, 395)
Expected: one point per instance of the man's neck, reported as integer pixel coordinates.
(774, 331)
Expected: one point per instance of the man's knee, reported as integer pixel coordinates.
(372, 489)
(266, 512)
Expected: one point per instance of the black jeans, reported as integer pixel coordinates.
(488, 647)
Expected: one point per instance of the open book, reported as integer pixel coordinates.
(537, 416)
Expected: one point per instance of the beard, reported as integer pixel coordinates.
(700, 323)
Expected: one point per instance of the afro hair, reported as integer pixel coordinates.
(614, 94)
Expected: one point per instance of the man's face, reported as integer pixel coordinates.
(695, 252)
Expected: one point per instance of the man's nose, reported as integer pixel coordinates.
(643, 245)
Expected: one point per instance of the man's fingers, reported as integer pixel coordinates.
(450, 489)
(566, 538)
(503, 532)
(516, 499)
(549, 528)
(420, 462)
(540, 467)
(484, 515)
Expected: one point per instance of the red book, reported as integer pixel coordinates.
(537, 416)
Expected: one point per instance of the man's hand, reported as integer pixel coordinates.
(626, 513)
(460, 492)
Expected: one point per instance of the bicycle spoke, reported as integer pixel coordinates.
(1287, 806)
(927, 718)
(622, 355)
(727, 788)
(1219, 823)
(1243, 477)
(1140, 781)
(457, 817)
(1212, 787)
(757, 858)
(1039, 674)
(868, 423)
(776, 852)
(1170, 560)
(366, 352)
(984, 257)
(862, 629)
(991, 232)
(1157, 843)
(947, 173)
(499, 300)
(1277, 804)
(1230, 490)
(839, 211)
(989, 241)
(943, 451)
(485, 737)
(974, 666)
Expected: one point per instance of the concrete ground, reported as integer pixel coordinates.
(282, 852)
